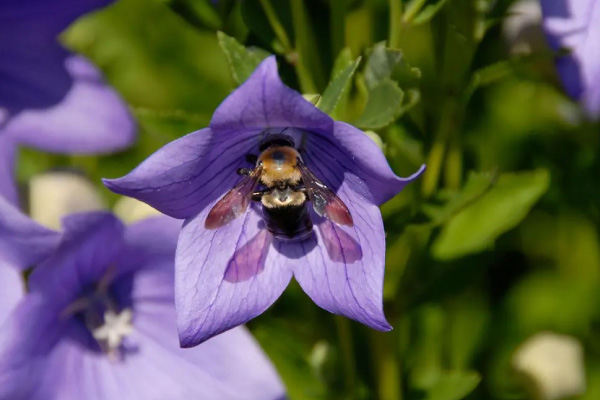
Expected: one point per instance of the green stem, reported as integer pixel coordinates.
(434, 164)
(413, 9)
(388, 373)
(395, 23)
(438, 150)
(348, 358)
(305, 48)
(453, 170)
(359, 24)
(338, 25)
(276, 26)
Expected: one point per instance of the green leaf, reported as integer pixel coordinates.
(387, 75)
(143, 33)
(342, 61)
(548, 301)
(383, 107)
(198, 13)
(426, 13)
(427, 347)
(453, 385)
(242, 61)
(478, 183)
(338, 87)
(477, 226)
(291, 354)
(384, 63)
(312, 98)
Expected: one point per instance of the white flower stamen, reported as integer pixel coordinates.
(115, 328)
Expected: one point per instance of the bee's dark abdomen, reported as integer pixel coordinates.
(290, 223)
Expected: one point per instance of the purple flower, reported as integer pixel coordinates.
(11, 287)
(574, 25)
(98, 322)
(229, 275)
(49, 98)
(22, 243)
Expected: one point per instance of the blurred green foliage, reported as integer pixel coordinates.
(496, 242)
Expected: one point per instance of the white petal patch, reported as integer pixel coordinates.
(554, 363)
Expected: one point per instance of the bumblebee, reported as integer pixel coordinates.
(284, 186)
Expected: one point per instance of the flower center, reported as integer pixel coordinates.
(107, 323)
(114, 329)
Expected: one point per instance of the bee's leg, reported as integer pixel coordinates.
(244, 171)
(257, 196)
(251, 158)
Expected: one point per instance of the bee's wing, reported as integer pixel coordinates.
(324, 201)
(234, 203)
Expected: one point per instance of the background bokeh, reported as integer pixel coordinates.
(496, 243)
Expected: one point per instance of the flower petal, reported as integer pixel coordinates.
(573, 24)
(90, 245)
(187, 174)
(23, 243)
(263, 101)
(27, 337)
(159, 361)
(353, 150)
(12, 289)
(32, 63)
(39, 353)
(207, 304)
(343, 279)
(42, 18)
(203, 372)
(8, 187)
(34, 76)
(222, 360)
(249, 260)
(90, 118)
(149, 241)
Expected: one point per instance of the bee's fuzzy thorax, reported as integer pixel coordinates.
(279, 166)
(275, 177)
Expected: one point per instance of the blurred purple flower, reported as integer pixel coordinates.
(49, 98)
(98, 322)
(12, 289)
(22, 244)
(574, 25)
(227, 276)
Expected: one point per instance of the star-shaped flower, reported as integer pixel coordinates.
(233, 265)
(94, 284)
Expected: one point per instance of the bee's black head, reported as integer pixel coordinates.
(275, 139)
